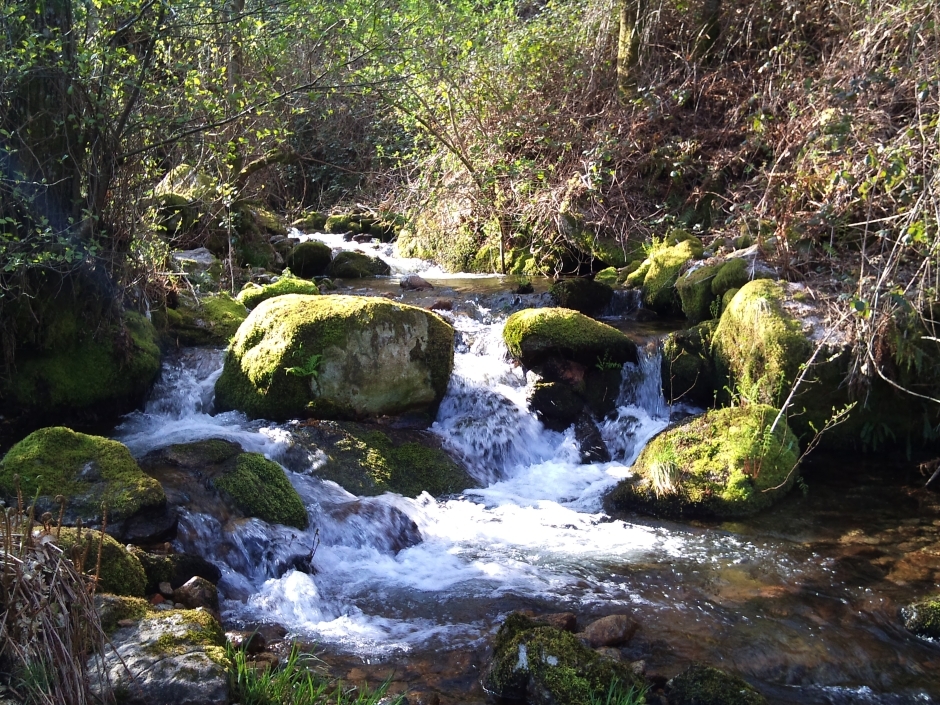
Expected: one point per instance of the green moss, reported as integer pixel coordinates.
(114, 608)
(121, 572)
(609, 276)
(259, 488)
(727, 297)
(223, 314)
(695, 292)
(703, 685)
(87, 470)
(533, 334)
(688, 371)
(724, 463)
(637, 275)
(157, 568)
(659, 290)
(584, 295)
(732, 275)
(757, 345)
(338, 224)
(252, 294)
(310, 259)
(286, 331)
(350, 264)
(923, 618)
(311, 221)
(187, 629)
(531, 658)
(112, 366)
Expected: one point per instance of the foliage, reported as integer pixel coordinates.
(295, 682)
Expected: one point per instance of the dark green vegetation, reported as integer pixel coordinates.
(259, 488)
(121, 573)
(702, 685)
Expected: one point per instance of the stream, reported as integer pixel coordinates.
(802, 601)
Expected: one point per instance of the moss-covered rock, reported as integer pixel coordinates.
(758, 345)
(366, 460)
(923, 618)
(310, 259)
(688, 370)
(87, 470)
(206, 320)
(173, 568)
(609, 276)
(336, 356)
(106, 369)
(356, 265)
(659, 282)
(733, 274)
(311, 221)
(338, 223)
(121, 572)
(117, 608)
(695, 292)
(584, 295)
(724, 463)
(703, 685)
(535, 334)
(253, 294)
(259, 488)
(548, 666)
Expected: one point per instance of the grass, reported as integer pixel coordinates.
(295, 682)
(618, 694)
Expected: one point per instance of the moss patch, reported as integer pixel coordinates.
(534, 334)
(688, 370)
(259, 488)
(703, 685)
(757, 345)
(695, 292)
(923, 618)
(659, 282)
(87, 470)
(309, 259)
(550, 664)
(121, 572)
(356, 265)
(724, 463)
(584, 295)
(253, 294)
(368, 355)
(114, 608)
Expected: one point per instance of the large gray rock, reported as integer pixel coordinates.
(171, 657)
(336, 357)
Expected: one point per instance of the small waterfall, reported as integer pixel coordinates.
(623, 303)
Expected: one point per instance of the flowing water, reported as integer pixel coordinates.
(803, 601)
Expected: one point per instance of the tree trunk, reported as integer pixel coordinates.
(628, 43)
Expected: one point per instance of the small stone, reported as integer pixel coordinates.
(126, 622)
(197, 592)
(609, 652)
(565, 621)
(613, 630)
(166, 589)
(442, 305)
(157, 599)
(415, 283)
(638, 667)
(251, 642)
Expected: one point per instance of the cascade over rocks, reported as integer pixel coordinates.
(88, 471)
(724, 463)
(336, 357)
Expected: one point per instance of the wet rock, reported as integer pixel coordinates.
(365, 523)
(548, 666)
(613, 630)
(202, 320)
(349, 357)
(171, 657)
(585, 295)
(369, 460)
(688, 370)
(309, 259)
(442, 305)
(250, 642)
(415, 283)
(591, 443)
(174, 569)
(609, 653)
(702, 685)
(356, 265)
(165, 589)
(556, 404)
(197, 592)
(923, 618)
(565, 621)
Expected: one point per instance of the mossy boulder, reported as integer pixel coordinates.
(89, 471)
(101, 369)
(588, 296)
(688, 370)
(701, 290)
(116, 608)
(253, 294)
(356, 265)
(336, 356)
(758, 346)
(703, 685)
(609, 276)
(544, 665)
(311, 221)
(339, 223)
(659, 282)
(535, 334)
(259, 488)
(206, 320)
(922, 618)
(367, 460)
(729, 462)
(121, 572)
(310, 259)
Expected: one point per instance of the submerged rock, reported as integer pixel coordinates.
(370, 460)
(90, 473)
(724, 463)
(175, 656)
(336, 357)
(253, 294)
(544, 665)
(703, 685)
